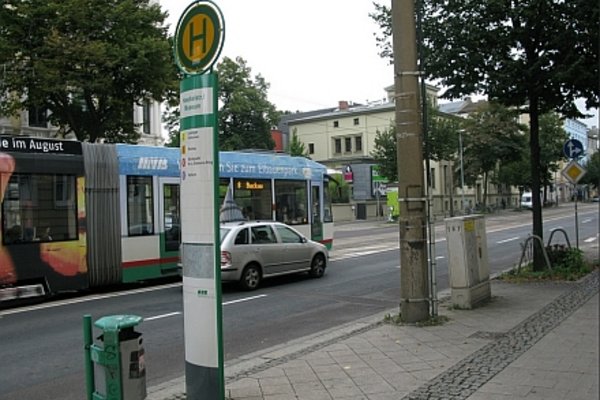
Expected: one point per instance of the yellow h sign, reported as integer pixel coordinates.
(199, 37)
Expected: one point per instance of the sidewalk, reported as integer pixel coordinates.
(531, 341)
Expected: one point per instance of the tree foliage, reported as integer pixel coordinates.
(385, 153)
(296, 147)
(442, 135)
(491, 135)
(552, 138)
(592, 176)
(516, 172)
(85, 61)
(246, 116)
(538, 55)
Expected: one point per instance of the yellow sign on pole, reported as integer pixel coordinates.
(199, 37)
(574, 172)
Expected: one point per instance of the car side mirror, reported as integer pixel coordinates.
(303, 239)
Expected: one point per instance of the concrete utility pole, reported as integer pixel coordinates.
(414, 280)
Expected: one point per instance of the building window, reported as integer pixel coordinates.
(358, 143)
(311, 148)
(146, 110)
(348, 144)
(338, 145)
(37, 117)
(355, 121)
(432, 178)
(336, 124)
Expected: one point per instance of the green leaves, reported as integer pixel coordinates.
(296, 147)
(86, 61)
(245, 116)
(385, 153)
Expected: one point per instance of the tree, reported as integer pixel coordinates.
(592, 176)
(86, 62)
(552, 138)
(491, 135)
(246, 116)
(296, 147)
(538, 55)
(384, 153)
(442, 134)
(516, 172)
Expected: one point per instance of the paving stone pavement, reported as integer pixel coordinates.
(531, 341)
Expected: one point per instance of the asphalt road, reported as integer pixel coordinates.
(42, 345)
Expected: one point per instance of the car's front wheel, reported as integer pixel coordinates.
(251, 277)
(317, 266)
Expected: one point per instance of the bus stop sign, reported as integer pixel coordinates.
(199, 37)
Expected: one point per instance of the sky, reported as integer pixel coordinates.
(313, 53)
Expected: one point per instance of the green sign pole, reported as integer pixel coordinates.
(200, 248)
(198, 43)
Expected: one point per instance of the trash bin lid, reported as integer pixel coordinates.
(118, 322)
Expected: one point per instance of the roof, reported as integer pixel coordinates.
(352, 110)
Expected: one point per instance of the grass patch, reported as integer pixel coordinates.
(568, 264)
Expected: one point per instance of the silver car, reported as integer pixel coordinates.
(251, 251)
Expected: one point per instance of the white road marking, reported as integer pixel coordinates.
(225, 304)
(365, 251)
(86, 299)
(508, 240)
(591, 239)
(171, 314)
(585, 221)
(244, 299)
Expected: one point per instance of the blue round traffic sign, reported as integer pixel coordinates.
(573, 148)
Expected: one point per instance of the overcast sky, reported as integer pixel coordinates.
(313, 53)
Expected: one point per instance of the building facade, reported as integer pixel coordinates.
(343, 138)
(35, 123)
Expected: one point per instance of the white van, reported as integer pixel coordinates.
(527, 200)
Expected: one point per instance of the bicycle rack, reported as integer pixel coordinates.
(525, 248)
(563, 232)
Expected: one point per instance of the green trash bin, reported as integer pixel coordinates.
(119, 372)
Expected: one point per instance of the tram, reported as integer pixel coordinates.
(77, 215)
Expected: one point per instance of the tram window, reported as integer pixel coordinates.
(39, 208)
(327, 213)
(291, 202)
(140, 206)
(253, 196)
(172, 222)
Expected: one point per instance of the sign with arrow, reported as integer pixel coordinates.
(573, 148)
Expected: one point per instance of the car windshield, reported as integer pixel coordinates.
(224, 232)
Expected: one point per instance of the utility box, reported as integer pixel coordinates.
(468, 260)
(119, 369)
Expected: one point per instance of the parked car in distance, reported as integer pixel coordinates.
(252, 251)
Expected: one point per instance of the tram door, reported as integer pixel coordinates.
(316, 225)
(170, 222)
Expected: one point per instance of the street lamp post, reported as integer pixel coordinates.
(462, 170)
